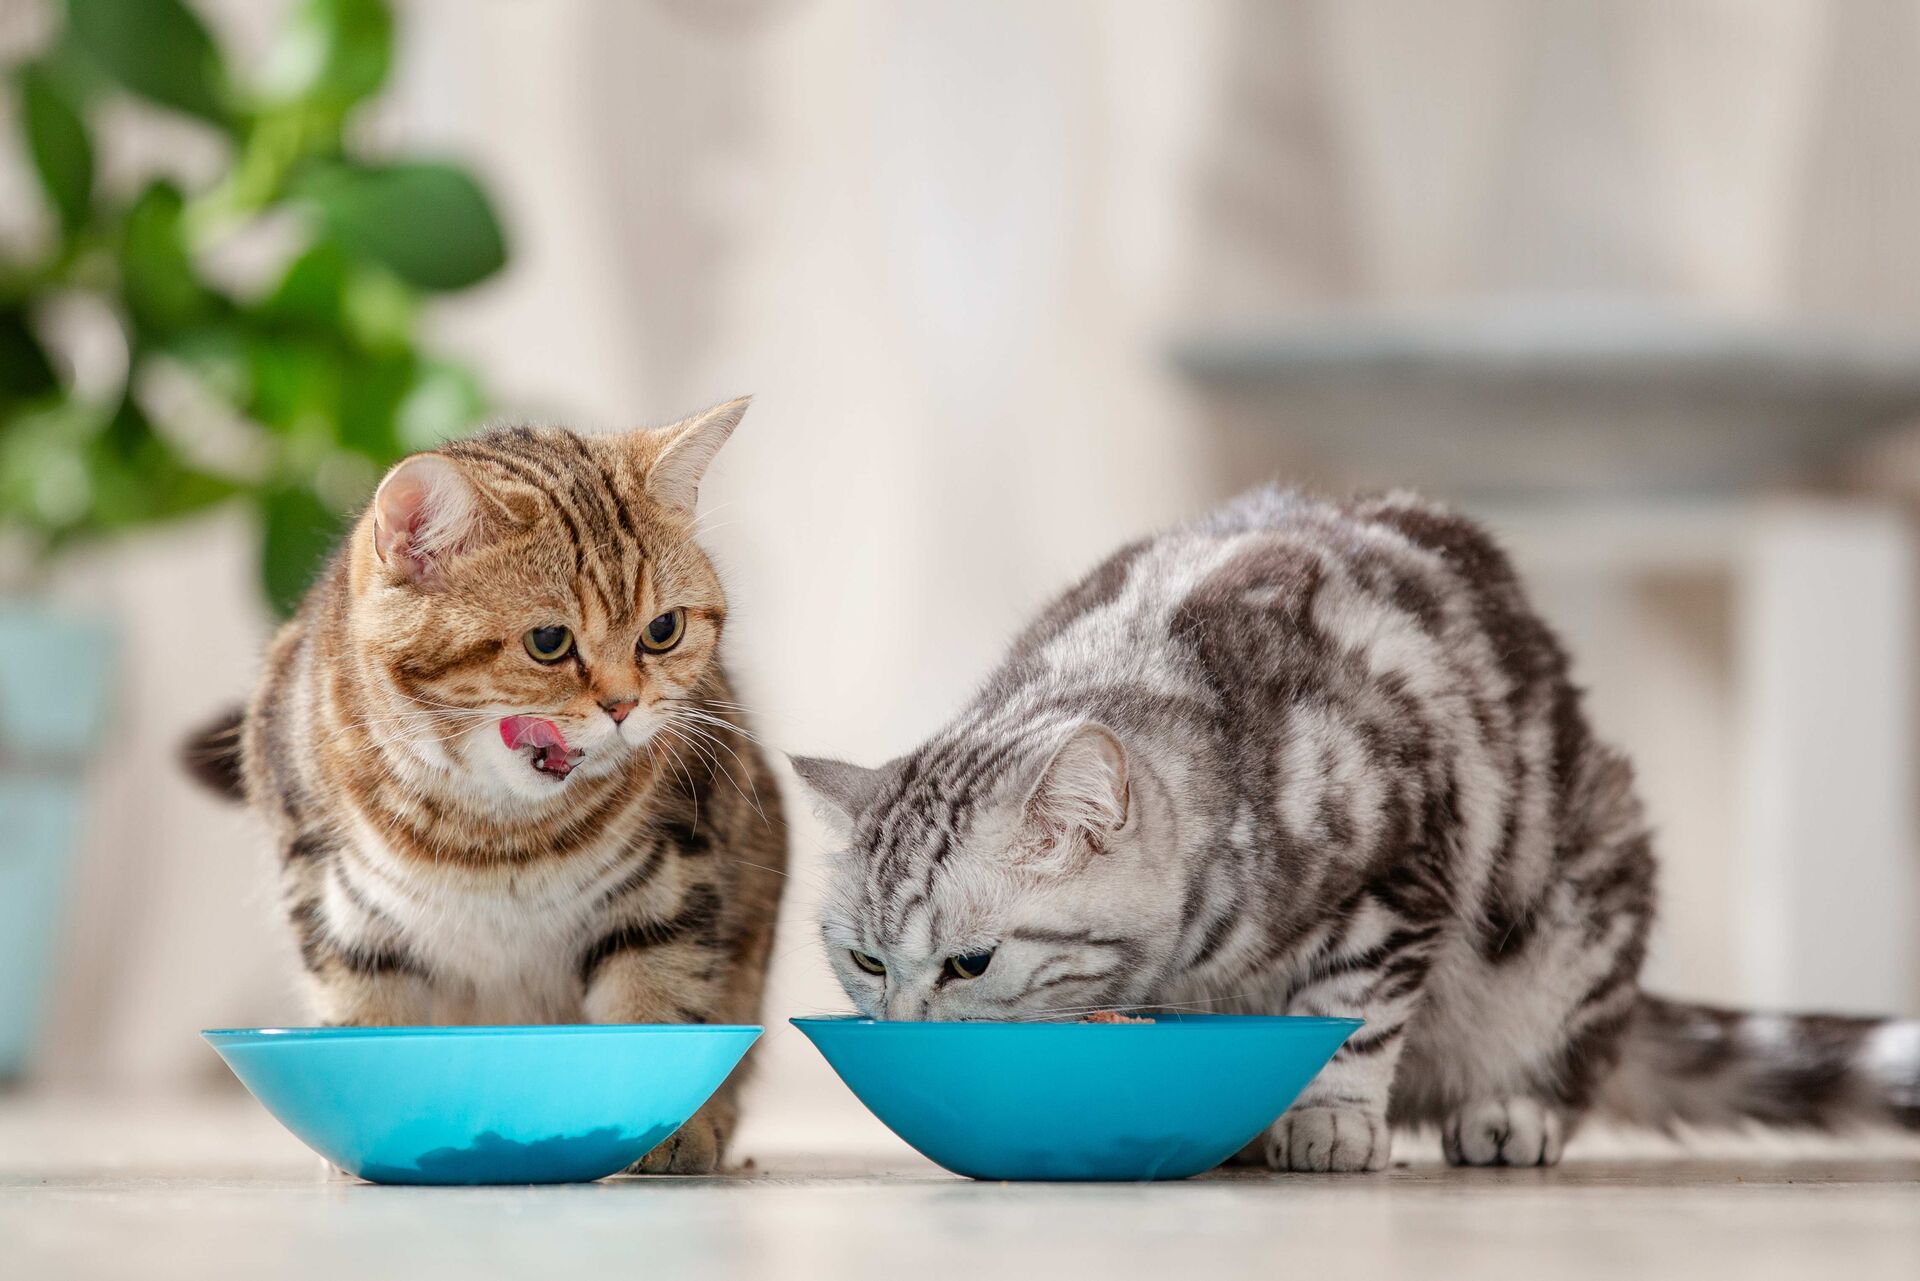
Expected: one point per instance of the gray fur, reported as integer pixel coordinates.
(1354, 778)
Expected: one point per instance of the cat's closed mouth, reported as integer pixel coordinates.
(545, 745)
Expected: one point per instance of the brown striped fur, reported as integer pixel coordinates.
(431, 874)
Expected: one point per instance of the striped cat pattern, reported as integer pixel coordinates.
(1302, 757)
(502, 759)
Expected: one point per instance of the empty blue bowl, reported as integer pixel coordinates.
(560, 1104)
(1072, 1101)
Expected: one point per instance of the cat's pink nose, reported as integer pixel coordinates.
(620, 709)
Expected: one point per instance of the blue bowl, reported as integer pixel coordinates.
(1079, 1100)
(561, 1104)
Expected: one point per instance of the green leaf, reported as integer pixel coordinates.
(184, 490)
(370, 396)
(157, 277)
(73, 72)
(294, 383)
(151, 486)
(379, 309)
(137, 477)
(57, 141)
(157, 49)
(45, 483)
(333, 52)
(128, 433)
(297, 531)
(429, 223)
(216, 354)
(312, 291)
(25, 371)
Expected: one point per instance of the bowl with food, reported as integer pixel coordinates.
(469, 1105)
(1113, 1097)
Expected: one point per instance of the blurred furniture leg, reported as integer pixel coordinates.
(1825, 645)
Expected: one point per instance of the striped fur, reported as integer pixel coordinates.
(1312, 758)
(431, 874)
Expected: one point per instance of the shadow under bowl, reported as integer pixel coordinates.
(467, 1105)
(1079, 1101)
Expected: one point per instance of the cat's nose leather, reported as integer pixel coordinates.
(618, 710)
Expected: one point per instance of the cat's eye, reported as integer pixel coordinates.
(548, 644)
(871, 964)
(971, 966)
(664, 632)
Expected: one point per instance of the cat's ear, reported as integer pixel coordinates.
(686, 449)
(840, 789)
(1079, 804)
(423, 512)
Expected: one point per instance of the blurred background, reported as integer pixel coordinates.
(1636, 280)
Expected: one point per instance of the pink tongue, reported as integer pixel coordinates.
(532, 731)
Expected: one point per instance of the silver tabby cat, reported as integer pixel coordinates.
(1313, 758)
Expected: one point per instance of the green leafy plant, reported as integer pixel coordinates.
(292, 391)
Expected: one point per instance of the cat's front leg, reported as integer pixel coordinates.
(1339, 1122)
(356, 977)
(1376, 972)
(635, 975)
(345, 999)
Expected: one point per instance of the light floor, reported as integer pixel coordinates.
(215, 1190)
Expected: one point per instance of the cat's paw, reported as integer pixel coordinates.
(1329, 1140)
(694, 1148)
(1516, 1131)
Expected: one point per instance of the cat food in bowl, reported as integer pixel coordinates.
(545, 1104)
(1125, 1099)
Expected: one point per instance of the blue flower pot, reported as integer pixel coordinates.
(53, 694)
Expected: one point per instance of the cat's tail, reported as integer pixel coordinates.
(1696, 1065)
(212, 754)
